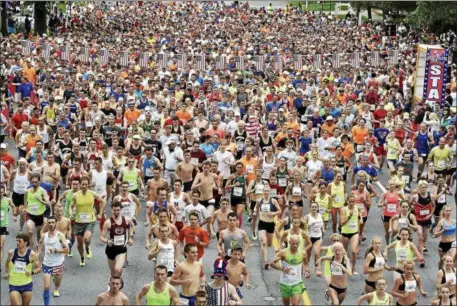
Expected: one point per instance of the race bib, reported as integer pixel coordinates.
(322, 210)
(99, 190)
(131, 185)
(21, 187)
(149, 172)
(194, 161)
(239, 146)
(405, 179)
(450, 277)
(119, 240)
(259, 189)
(85, 217)
(265, 207)
(304, 118)
(315, 232)
(441, 164)
(352, 225)
(359, 148)
(126, 211)
(237, 191)
(442, 198)
(392, 208)
(372, 107)
(273, 193)
(392, 152)
(2, 215)
(410, 286)
(424, 212)
(337, 199)
(361, 207)
(33, 208)
(402, 254)
(249, 168)
(282, 181)
(19, 266)
(296, 191)
(336, 270)
(403, 223)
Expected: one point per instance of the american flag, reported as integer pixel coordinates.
(26, 47)
(355, 60)
(182, 60)
(298, 62)
(220, 62)
(162, 60)
(84, 54)
(259, 62)
(375, 59)
(239, 63)
(393, 57)
(124, 58)
(317, 61)
(144, 59)
(201, 62)
(104, 56)
(336, 63)
(45, 51)
(278, 63)
(65, 53)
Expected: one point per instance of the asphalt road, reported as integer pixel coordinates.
(81, 285)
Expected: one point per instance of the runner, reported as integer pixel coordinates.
(351, 220)
(221, 215)
(130, 205)
(21, 264)
(113, 296)
(5, 205)
(446, 229)
(83, 202)
(254, 193)
(132, 176)
(195, 235)
(189, 274)
(180, 200)
(158, 292)
(446, 276)
(375, 264)
(67, 196)
(405, 287)
(20, 178)
(220, 291)
(154, 230)
(187, 170)
(316, 230)
(237, 271)
(444, 298)
(232, 237)
(296, 191)
(337, 190)
(379, 296)
(164, 251)
(55, 246)
(296, 230)
(237, 184)
(390, 203)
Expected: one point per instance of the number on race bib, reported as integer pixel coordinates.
(296, 191)
(119, 240)
(85, 217)
(19, 266)
(265, 207)
(237, 191)
(424, 212)
(282, 181)
(392, 208)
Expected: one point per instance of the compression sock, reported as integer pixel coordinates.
(46, 297)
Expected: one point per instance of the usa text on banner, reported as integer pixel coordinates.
(435, 74)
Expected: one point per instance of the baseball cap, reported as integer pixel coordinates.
(3, 146)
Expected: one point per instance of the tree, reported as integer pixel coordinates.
(438, 17)
(4, 19)
(40, 16)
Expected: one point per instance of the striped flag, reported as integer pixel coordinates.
(298, 62)
(239, 63)
(162, 60)
(259, 62)
(84, 54)
(144, 59)
(220, 62)
(278, 63)
(355, 60)
(124, 58)
(26, 47)
(375, 59)
(104, 56)
(317, 61)
(393, 57)
(336, 61)
(201, 62)
(182, 60)
(65, 53)
(46, 51)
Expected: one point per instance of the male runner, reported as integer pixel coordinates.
(83, 202)
(189, 274)
(132, 176)
(113, 296)
(221, 215)
(164, 250)
(158, 292)
(186, 171)
(120, 233)
(130, 205)
(20, 179)
(55, 247)
(180, 200)
(232, 237)
(173, 232)
(237, 271)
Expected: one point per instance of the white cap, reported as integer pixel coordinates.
(329, 118)
(3, 146)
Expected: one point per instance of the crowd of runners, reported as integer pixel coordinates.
(190, 157)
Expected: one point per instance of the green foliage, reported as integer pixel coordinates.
(437, 16)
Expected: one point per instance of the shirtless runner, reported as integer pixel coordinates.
(186, 171)
(113, 296)
(237, 271)
(190, 275)
(221, 215)
(153, 184)
(163, 221)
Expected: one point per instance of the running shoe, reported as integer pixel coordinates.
(82, 263)
(422, 264)
(126, 263)
(70, 254)
(425, 250)
(89, 253)
(254, 235)
(56, 293)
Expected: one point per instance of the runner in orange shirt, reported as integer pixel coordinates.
(359, 132)
(250, 163)
(131, 114)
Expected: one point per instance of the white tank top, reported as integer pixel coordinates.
(267, 168)
(315, 226)
(36, 169)
(43, 134)
(108, 163)
(128, 206)
(166, 256)
(179, 204)
(99, 180)
(21, 182)
(52, 259)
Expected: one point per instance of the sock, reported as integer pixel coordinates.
(46, 297)
(82, 258)
(240, 218)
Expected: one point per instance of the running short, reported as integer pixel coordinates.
(113, 251)
(109, 181)
(206, 203)
(338, 290)
(18, 199)
(314, 239)
(298, 203)
(179, 225)
(451, 171)
(190, 299)
(288, 291)
(56, 270)
(82, 228)
(237, 201)
(438, 208)
(146, 179)
(413, 304)
(349, 236)
(385, 218)
(441, 172)
(38, 220)
(22, 289)
(239, 293)
(269, 227)
(135, 192)
(425, 223)
(380, 151)
(4, 231)
(187, 186)
(370, 284)
(444, 247)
